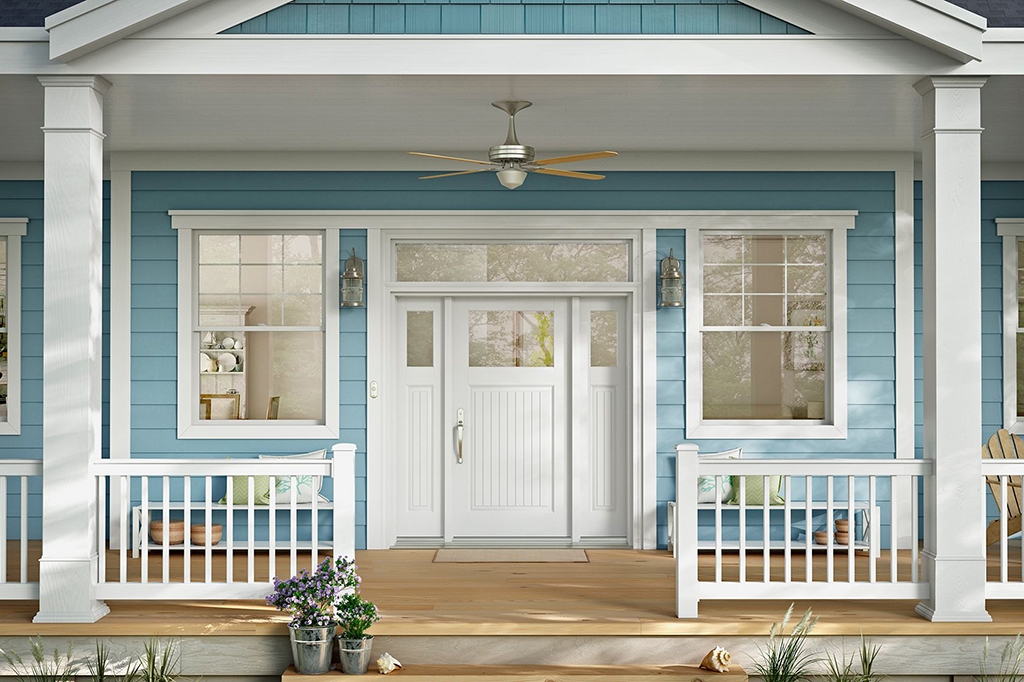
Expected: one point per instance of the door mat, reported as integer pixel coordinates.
(510, 556)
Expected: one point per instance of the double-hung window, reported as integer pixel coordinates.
(258, 333)
(1012, 232)
(766, 333)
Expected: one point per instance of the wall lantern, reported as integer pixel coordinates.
(671, 282)
(352, 282)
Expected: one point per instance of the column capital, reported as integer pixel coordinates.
(929, 83)
(97, 83)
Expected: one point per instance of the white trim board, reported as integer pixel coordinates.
(1011, 230)
(13, 229)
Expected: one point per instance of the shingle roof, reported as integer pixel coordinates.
(30, 12)
(1000, 13)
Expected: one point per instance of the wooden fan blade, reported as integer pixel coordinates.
(575, 157)
(569, 174)
(450, 158)
(448, 175)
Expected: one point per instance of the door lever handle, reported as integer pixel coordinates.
(460, 430)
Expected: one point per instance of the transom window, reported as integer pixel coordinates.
(513, 262)
(766, 329)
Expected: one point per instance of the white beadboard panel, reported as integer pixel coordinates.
(420, 448)
(512, 440)
(603, 449)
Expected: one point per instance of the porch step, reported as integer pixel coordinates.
(542, 673)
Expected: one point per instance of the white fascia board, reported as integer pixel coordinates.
(211, 18)
(90, 25)
(817, 17)
(940, 25)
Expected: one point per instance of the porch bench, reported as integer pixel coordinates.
(140, 525)
(870, 542)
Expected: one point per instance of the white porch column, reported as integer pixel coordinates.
(72, 345)
(954, 512)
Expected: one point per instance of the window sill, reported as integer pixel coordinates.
(767, 431)
(250, 429)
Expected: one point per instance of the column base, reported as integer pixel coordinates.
(958, 589)
(67, 591)
(952, 616)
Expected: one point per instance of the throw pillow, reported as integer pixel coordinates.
(240, 491)
(305, 486)
(706, 488)
(754, 489)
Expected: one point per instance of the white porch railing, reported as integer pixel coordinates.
(182, 490)
(1005, 579)
(777, 555)
(14, 545)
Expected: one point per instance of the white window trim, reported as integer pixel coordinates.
(837, 222)
(1010, 229)
(188, 424)
(14, 229)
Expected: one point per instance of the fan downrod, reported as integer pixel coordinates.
(511, 150)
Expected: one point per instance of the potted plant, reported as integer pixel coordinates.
(355, 616)
(312, 600)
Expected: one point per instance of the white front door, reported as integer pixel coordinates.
(507, 467)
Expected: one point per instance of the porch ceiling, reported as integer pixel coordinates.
(452, 115)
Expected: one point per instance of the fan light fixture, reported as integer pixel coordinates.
(511, 177)
(512, 160)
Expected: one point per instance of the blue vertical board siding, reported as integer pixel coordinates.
(24, 199)
(998, 200)
(488, 17)
(871, 320)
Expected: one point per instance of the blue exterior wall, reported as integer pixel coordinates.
(24, 199)
(998, 200)
(675, 17)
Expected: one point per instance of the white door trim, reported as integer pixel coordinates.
(381, 522)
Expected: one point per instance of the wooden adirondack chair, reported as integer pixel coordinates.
(1004, 445)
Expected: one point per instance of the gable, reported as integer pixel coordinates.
(682, 17)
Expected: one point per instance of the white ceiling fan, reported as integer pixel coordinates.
(512, 160)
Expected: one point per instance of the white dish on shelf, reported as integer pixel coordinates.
(227, 342)
(226, 362)
(208, 363)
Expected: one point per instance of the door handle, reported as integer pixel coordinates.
(460, 430)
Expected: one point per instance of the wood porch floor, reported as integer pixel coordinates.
(618, 593)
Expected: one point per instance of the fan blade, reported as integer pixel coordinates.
(575, 157)
(569, 174)
(448, 175)
(449, 158)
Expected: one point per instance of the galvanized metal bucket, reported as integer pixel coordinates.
(355, 654)
(311, 649)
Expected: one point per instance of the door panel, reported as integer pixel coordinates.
(508, 374)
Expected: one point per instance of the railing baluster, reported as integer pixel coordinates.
(229, 529)
(186, 496)
(272, 530)
(1003, 556)
(893, 526)
(144, 535)
(743, 528)
(293, 546)
(208, 521)
(250, 567)
(809, 529)
(869, 534)
(718, 530)
(166, 512)
(851, 535)
(787, 530)
(101, 529)
(314, 520)
(24, 529)
(126, 491)
(766, 498)
(829, 521)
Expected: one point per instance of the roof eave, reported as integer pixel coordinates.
(939, 25)
(92, 24)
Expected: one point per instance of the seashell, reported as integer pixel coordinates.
(387, 663)
(717, 659)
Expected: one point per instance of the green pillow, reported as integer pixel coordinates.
(240, 492)
(754, 488)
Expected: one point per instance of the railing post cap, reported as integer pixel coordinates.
(687, 448)
(344, 447)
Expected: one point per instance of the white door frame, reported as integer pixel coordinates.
(382, 323)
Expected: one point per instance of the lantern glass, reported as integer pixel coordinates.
(672, 293)
(352, 282)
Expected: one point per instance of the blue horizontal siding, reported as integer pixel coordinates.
(495, 17)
